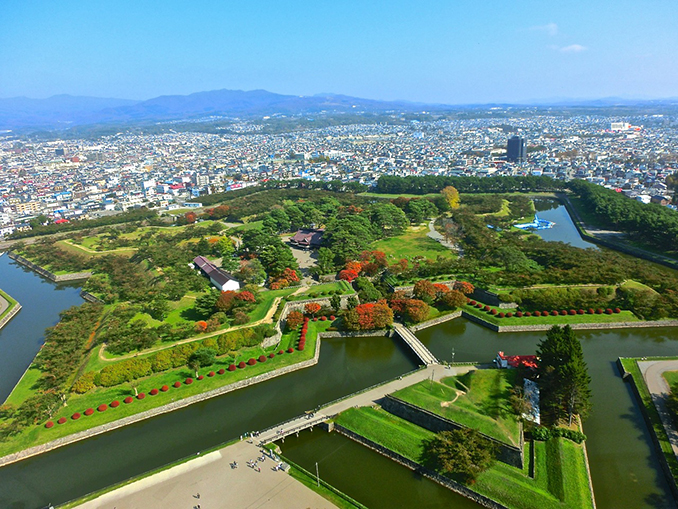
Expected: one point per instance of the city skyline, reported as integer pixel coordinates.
(429, 53)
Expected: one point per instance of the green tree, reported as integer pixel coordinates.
(462, 452)
(563, 375)
(205, 304)
(200, 358)
(325, 260)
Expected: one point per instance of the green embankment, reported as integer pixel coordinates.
(623, 316)
(484, 407)
(10, 303)
(560, 478)
(38, 434)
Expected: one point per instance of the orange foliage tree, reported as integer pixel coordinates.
(312, 308)
(464, 287)
(294, 319)
(373, 315)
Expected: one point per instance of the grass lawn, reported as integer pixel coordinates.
(91, 252)
(631, 366)
(559, 465)
(10, 303)
(413, 242)
(316, 290)
(635, 285)
(38, 434)
(484, 407)
(624, 316)
(388, 430)
(671, 377)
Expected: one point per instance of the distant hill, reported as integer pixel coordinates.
(59, 111)
(65, 111)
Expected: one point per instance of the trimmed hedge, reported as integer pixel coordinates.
(141, 395)
(153, 392)
(242, 364)
(128, 399)
(543, 433)
(61, 420)
(115, 403)
(49, 424)
(75, 416)
(164, 388)
(177, 384)
(252, 361)
(188, 381)
(103, 407)
(89, 411)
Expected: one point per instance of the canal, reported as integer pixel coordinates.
(42, 301)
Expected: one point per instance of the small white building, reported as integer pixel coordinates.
(219, 278)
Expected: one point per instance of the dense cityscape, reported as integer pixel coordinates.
(70, 179)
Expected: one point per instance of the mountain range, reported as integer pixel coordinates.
(62, 112)
(65, 111)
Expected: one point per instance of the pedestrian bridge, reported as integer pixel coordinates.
(426, 357)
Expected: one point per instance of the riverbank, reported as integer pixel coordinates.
(153, 412)
(491, 324)
(57, 278)
(9, 307)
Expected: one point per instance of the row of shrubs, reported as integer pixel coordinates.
(543, 433)
(323, 318)
(132, 369)
(313, 295)
(555, 312)
(188, 381)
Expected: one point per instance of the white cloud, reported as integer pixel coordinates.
(573, 48)
(549, 29)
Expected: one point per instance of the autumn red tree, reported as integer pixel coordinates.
(312, 308)
(246, 296)
(294, 319)
(226, 301)
(440, 290)
(417, 310)
(453, 299)
(348, 275)
(373, 315)
(190, 217)
(464, 287)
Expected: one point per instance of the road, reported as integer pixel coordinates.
(652, 372)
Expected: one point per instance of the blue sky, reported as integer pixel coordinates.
(453, 51)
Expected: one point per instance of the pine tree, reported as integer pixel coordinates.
(563, 375)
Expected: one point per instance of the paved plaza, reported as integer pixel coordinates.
(209, 482)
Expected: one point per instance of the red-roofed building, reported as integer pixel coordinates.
(515, 361)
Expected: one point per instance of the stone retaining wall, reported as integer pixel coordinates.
(11, 314)
(509, 454)
(576, 326)
(412, 465)
(170, 407)
(435, 321)
(44, 272)
(89, 297)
